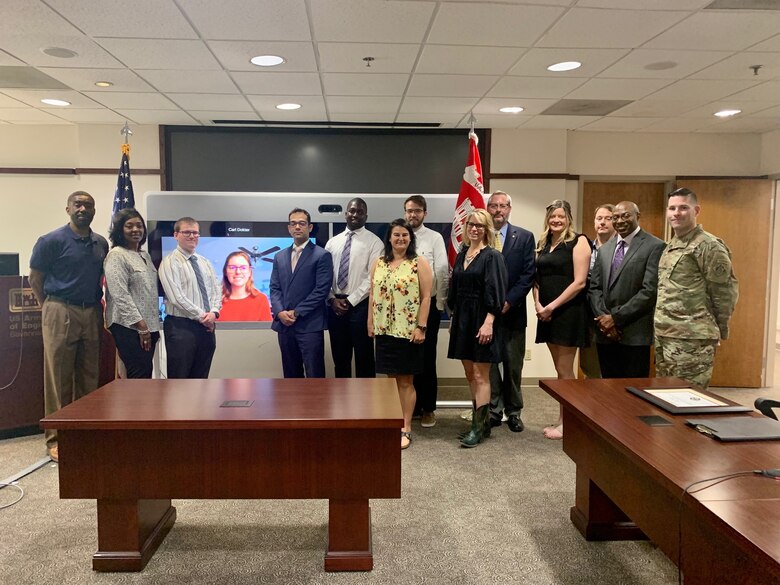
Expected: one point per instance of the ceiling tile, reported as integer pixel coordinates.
(767, 91)
(559, 122)
(132, 101)
(773, 112)
(6, 59)
(370, 22)
(364, 105)
(747, 107)
(206, 117)
(28, 115)
(739, 67)
(649, 108)
(9, 102)
(348, 57)
(701, 89)
(476, 60)
(29, 48)
(158, 117)
(161, 54)
(268, 83)
(677, 125)
(443, 105)
(201, 101)
(451, 85)
(249, 19)
(33, 97)
(266, 105)
(150, 19)
(663, 64)
(771, 44)
(235, 55)
(536, 61)
(496, 121)
(364, 83)
(592, 27)
(366, 118)
(496, 25)
(749, 125)
(492, 105)
(93, 116)
(617, 89)
(448, 119)
(609, 124)
(725, 30)
(30, 17)
(646, 4)
(189, 81)
(535, 87)
(84, 79)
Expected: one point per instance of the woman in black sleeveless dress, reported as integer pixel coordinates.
(562, 262)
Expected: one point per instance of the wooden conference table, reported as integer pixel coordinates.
(135, 444)
(631, 476)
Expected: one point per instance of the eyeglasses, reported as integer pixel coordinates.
(298, 223)
(238, 267)
(476, 226)
(190, 234)
(499, 205)
(624, 216)
(415, 211)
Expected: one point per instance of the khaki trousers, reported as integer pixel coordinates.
(71, 355)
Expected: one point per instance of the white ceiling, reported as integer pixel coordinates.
(187, 62)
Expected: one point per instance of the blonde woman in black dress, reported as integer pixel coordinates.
(562, 262)
(476, 295)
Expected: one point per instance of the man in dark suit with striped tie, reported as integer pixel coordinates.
(517, 247)
(300, 281)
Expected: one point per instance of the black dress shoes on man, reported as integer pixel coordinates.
(495, 422)
(515, 424)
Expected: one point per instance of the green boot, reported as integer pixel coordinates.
(473, 410)
(475, 435)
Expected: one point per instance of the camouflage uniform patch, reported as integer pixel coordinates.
(689, 359)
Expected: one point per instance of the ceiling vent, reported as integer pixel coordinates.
(584, 107)
(14, 77)
(743, 5)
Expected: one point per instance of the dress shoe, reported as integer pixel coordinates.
(495, 422)
(515, 424)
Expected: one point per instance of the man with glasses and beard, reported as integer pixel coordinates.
(193, 298)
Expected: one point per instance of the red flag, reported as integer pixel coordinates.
(471, 197)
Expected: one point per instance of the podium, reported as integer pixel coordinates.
(21, 359)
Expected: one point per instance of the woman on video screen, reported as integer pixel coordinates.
(241, 301)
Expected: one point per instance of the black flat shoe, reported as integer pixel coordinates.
(515, 424)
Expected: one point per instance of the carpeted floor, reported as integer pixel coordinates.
(498, 513)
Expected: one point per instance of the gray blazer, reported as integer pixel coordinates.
(631, 297)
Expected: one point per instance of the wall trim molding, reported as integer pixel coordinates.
(75, 171)
(564, 176)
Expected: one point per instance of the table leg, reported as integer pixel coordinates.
(129, 532)
(597, 517)
(349, 536)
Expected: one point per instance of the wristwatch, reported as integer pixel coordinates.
(422, 328)
(216, 314)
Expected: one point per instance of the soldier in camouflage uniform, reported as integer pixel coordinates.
(697, 292)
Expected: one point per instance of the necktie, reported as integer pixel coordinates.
(343, 278)
(499, 245)
(617, 260)
(296, 255)
(204, 296)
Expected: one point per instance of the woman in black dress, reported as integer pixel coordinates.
(562, 262)
(476, 296)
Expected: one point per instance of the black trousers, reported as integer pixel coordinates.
(138, 361)
(348, 335)
(427, 384)
(190, 348)
(624, 361)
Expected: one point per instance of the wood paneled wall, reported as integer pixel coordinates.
(650, 197)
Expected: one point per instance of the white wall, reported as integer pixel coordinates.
(770, 153)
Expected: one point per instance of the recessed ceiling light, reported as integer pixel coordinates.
(53, 102)
(267, 60)
(288, 107)
(565, 66)
(59, 52)
(727, 113)
(511, 110)
(103, 83)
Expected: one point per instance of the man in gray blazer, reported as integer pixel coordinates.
(622, 295)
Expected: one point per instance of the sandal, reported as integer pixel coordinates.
(408, 436)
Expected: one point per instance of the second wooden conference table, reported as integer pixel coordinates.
(134, 444)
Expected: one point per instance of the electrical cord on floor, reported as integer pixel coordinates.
(766, 473)
(17, 500)
(21, 346)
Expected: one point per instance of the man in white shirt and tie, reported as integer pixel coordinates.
(430, 244)
(354, 251)
(193, 298)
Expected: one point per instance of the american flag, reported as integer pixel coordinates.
(124, 196)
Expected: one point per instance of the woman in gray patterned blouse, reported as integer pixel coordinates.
(132, 313)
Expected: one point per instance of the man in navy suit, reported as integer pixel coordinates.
(517, 246)
(300, 281)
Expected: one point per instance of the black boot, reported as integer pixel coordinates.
(475, 435)
(473, 410)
